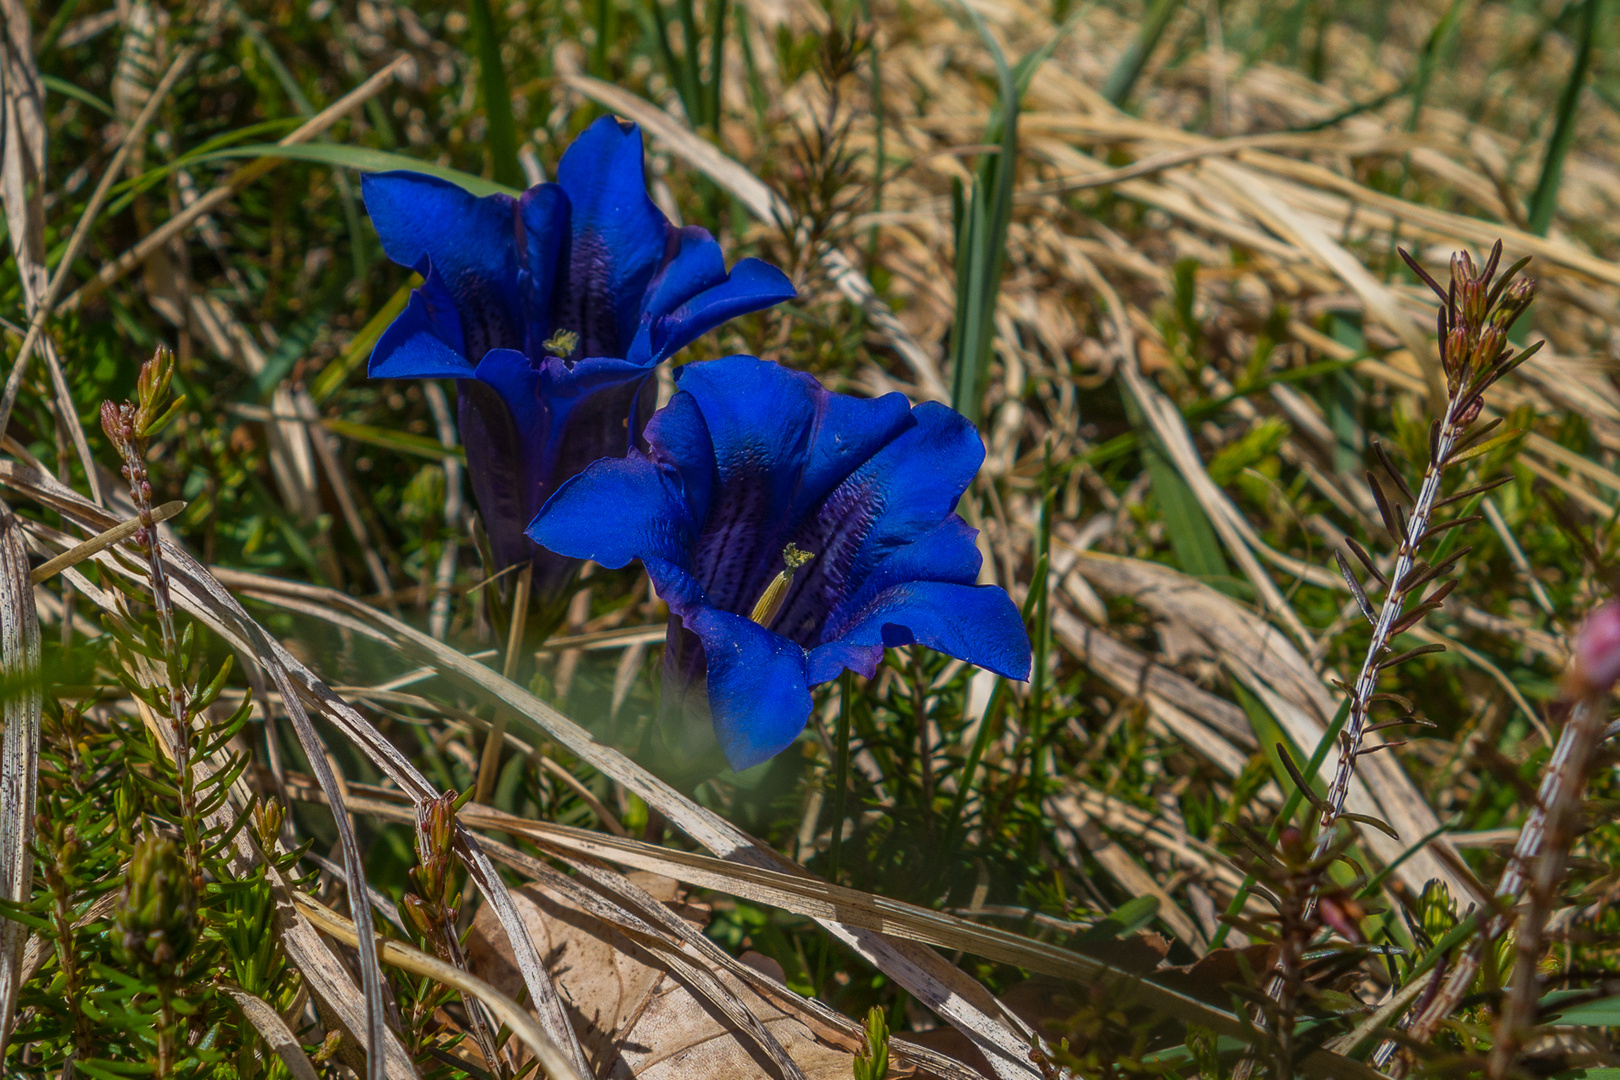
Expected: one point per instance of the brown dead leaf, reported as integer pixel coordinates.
(634, 1014)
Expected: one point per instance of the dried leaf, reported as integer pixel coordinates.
(19, 755)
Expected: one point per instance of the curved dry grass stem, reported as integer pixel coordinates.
(102, 541)
(552, 1060)
(21, 711)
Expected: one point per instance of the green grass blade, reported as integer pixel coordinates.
(360, 158)
(691, 75)
(497, 98)
(1130, 67)
(1192, 537)
(981, 244)
(717, 60)
(402, 441)
(1544, 201)
(76, 92)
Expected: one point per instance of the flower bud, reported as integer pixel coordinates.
(1595, 654)
(1436, 912)
(157, 913)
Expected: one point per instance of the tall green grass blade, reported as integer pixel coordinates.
(1544, 201)
(692, 76)
(604, 28)
(362, 159)
(981, 240)
(76, 92)
(875, 93)
(54, 28)
(1122, 80)
(1435, 49)
(400, 441)
(1192, 537)
(502, 129)
(1040, 592)
(846, 716)
(1272, 736)
(717, 63)
(982, 221)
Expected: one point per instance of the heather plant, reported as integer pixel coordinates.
(932, 541)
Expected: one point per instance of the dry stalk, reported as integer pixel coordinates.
(1561, 810)
(1474, 320)
(1543, 843)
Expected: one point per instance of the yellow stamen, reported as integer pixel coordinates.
(771, 600)
(562, 343)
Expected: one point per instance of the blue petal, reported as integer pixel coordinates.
(592, 408)
(678, 314)
(757, 691)
(976, 623)
(421, 344)
(921, 474)
(561, 417)
(696, 265)
(680, 440)
(498, 413)
(945, 554)
(781, 443)
(905, 491)
(619, 238)
(542, 241)
(617, 510)
(467, 243)
(828, 661)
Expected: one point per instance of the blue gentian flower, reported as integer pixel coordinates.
(552, 308)
(793, 533)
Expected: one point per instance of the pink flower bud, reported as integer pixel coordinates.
(1596, 653)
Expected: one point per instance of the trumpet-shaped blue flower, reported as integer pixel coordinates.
(552, 308)
(793, 533)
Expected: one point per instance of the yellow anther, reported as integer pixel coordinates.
(562, 343)
(770, 601)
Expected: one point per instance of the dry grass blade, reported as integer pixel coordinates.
(19, 755)
(1184, 709)
(42, 311)
(101, 542)
(697, 975)
(1171, 430)
(552, 1060)
(1276, 672)
(22, 183)
(806, 895)
(1264, 199)
(254, 642)
(924, 973)
(199, 593)
(274, 1030)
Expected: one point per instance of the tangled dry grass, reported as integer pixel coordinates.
(1202, 328)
